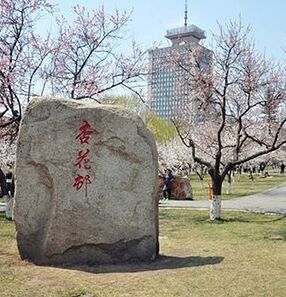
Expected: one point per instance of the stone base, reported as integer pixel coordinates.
(136, 250)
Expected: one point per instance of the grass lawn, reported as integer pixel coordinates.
(243, 255)
(243, 186)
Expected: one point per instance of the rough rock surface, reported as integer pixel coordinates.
(86, 185)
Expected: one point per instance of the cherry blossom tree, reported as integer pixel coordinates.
(83, 60)
(240, 99)
(7, 159)
(7, 153)
(89, 61)
(21, 54)
(201, 171)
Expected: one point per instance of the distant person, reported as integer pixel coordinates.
(282, 168)
(168, 178)
(262, 166)
(9, 201)
(10, 184)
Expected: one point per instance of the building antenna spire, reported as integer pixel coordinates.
(186, 13)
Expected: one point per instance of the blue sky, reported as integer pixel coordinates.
(151, 18)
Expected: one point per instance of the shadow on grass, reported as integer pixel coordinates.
(246, 220)
(245, 217)
(162, 262)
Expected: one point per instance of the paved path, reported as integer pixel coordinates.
(271, 201)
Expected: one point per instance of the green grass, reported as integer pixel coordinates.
(242, 186)
(241, 255)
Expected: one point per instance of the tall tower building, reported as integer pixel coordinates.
(169, 86)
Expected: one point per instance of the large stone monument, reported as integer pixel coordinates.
(86, 185)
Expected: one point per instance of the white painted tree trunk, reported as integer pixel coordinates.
(9, 207)
(215, 207)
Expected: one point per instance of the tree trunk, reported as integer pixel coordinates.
(228, 190)
(229, 181)
(215, 202)
(9, 207)
(3, 184)
(202, 184)
(215, 207)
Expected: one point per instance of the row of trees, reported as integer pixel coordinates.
(240, 98)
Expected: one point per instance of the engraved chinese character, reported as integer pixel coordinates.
(85, 131)
(80, 180)
(82, 161)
